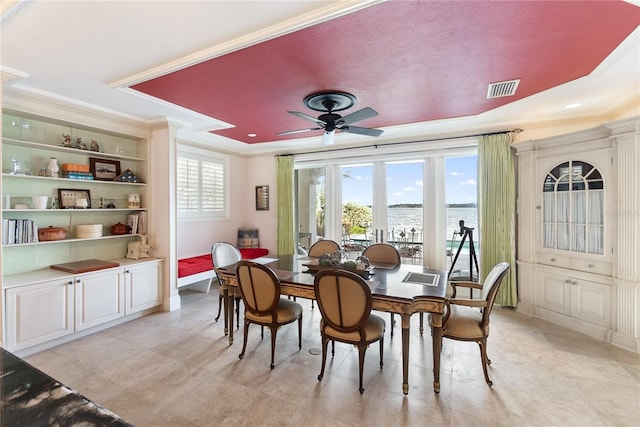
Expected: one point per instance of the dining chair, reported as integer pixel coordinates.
(260, 290)
(224, 254)
(322, 247)
(345, 301)
(467, 319)
(383, 253)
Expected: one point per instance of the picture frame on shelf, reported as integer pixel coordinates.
(103, 169)
(262, 197)
(74, 199)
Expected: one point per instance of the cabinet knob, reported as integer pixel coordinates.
(78, 280)
(70, 282)
(573, 282)
(590, 265)
(553, 260)
(127, 271)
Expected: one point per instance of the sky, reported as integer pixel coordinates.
(405, 185)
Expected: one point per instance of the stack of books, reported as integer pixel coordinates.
(76, 171)
(16, 231)
(138, 223)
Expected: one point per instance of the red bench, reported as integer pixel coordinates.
(198, 268)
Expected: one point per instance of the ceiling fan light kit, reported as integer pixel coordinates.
(330, 122)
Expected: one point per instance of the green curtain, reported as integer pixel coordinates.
(286, 239)
(497, 210)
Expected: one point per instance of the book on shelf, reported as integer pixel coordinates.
(17, 231)
(133, 223)
(77, 175)
(138, 223)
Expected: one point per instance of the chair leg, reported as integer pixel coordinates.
(311, 304)
(333, 348)
(274, 332)
(325, 345)
(244, 344)
(238, 299)
(421, 323)
(300, 332)
(485, 360)
(393, 321)
(220, 300)
(362, 349)
(381, 349)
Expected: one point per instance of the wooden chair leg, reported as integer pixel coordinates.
(220, 302)
(393, 321)
(274, 332)
(325, 345)
(361, 352)
(244, 344)
(485, 360)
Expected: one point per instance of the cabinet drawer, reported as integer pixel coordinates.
(590, 266)
(553, 259)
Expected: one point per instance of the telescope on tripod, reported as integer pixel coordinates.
(466, 232)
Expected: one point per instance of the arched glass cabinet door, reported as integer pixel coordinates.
(573, 208)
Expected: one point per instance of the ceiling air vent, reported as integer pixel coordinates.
(500, 89)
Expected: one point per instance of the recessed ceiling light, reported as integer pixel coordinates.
(574, 105)
(251, 135)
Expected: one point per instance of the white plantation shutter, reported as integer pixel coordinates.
(201, 186)
(212, 187)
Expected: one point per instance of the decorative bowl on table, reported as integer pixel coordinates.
(356, 267)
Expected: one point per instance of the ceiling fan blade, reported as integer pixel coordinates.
(291, 132)
(328, 137)
(307, 117)
(365, 113)
(362, 131)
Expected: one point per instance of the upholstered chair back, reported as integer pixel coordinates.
(323, 247)
(224, 254)
(259, 287)
(382, 253)
(344, 299)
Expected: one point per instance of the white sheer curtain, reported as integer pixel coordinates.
(563, 206)
(573, 213)
(596, 222)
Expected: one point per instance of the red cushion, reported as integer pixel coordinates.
(198, 264)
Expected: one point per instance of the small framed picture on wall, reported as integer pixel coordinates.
(262, 197)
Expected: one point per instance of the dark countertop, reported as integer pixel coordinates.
(32, 398)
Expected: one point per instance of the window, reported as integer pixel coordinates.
(573, 217)
(201, 185)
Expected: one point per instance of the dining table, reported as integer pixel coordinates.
(402, 290)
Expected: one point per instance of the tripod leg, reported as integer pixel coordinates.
(453, 263)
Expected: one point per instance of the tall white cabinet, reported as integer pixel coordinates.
(578, 261)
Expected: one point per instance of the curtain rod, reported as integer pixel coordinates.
(517, 131)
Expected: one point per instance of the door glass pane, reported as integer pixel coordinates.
(357, 217)
(404, 209)
(310, 206)
(462, 209)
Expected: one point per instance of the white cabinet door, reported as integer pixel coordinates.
(591, 302)
(99, 298)
(554, 292)
(38, 313)
(574, 297)
(143, 286)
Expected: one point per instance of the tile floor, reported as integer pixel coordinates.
(177, 369)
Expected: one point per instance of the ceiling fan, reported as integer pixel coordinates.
(328, 103)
